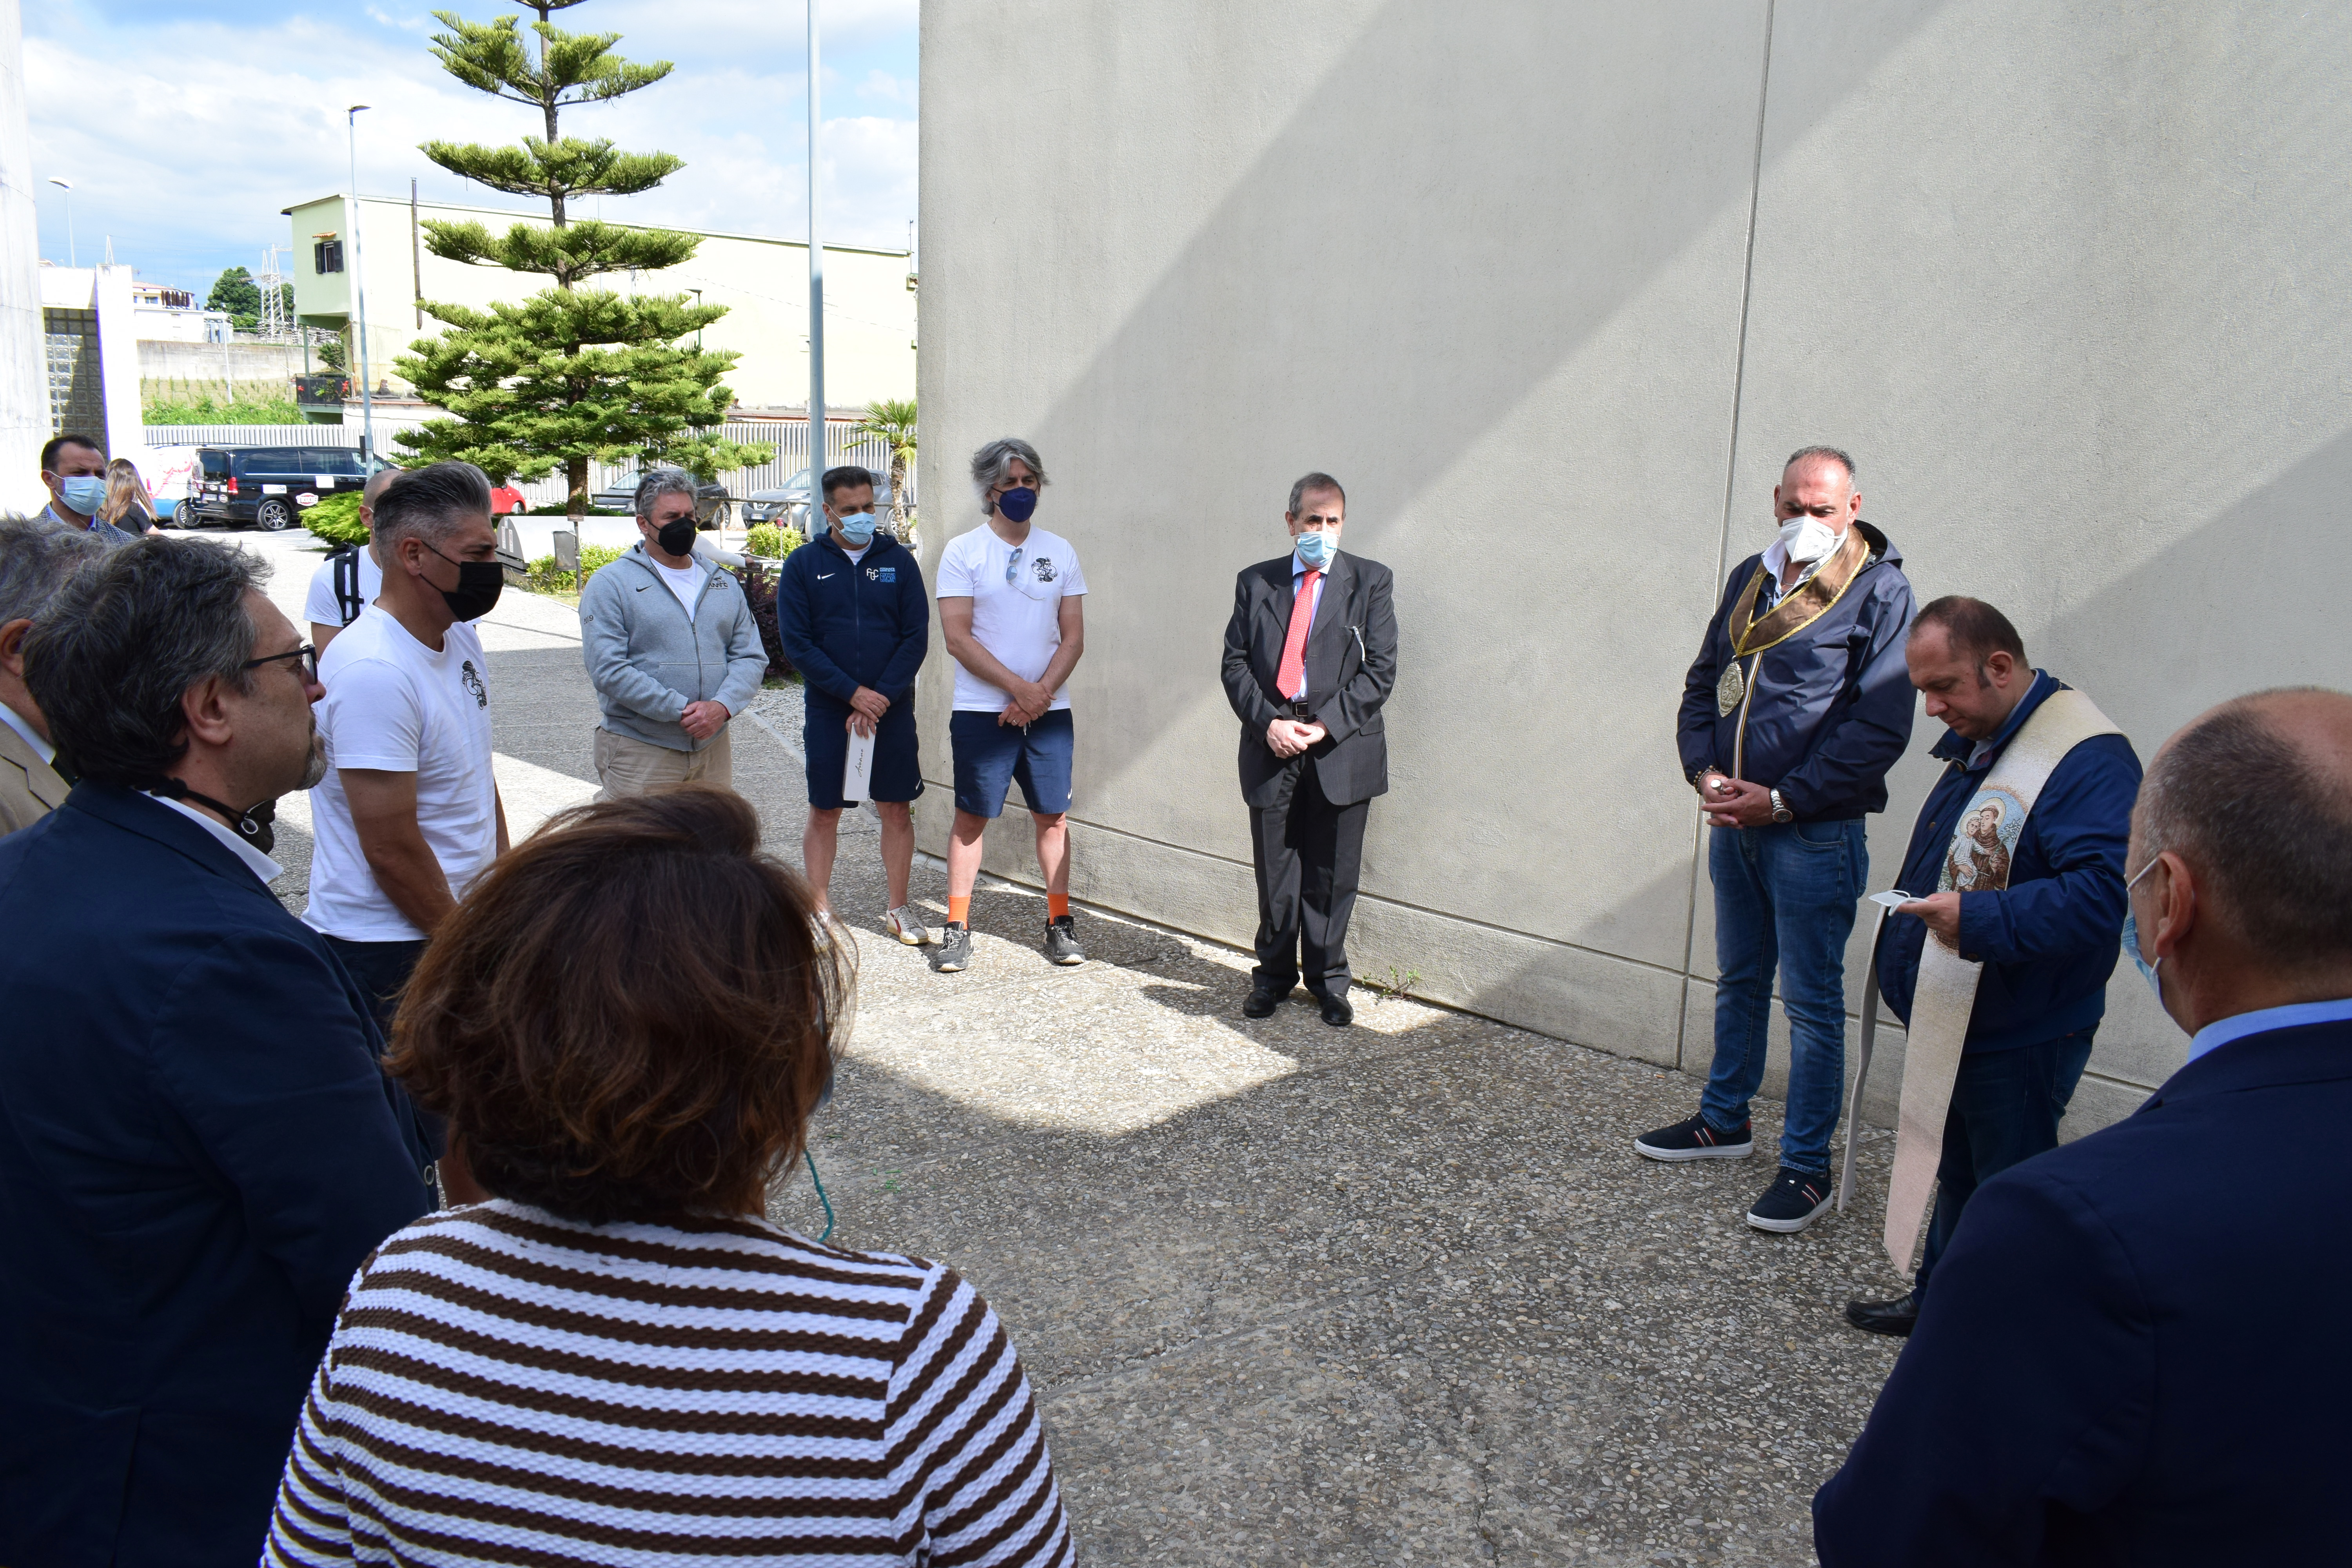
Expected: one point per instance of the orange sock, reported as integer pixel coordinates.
(959, 909)
(1057, 905)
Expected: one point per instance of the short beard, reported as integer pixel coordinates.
(315, 769)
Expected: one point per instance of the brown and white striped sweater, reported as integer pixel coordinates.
(504, 1386)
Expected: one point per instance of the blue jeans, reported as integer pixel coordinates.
(1784, 899)
(2005, 1110)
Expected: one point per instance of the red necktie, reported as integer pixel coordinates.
(1292, 673)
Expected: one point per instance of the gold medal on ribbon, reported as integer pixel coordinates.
(1729, 689)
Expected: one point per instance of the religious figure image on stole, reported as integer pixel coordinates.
(1977, 861)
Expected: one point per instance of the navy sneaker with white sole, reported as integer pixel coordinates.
(1696, 1139)
(1794, 1201)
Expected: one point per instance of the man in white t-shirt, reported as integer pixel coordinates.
(1011, 608)
(349, 579)
(409, 815)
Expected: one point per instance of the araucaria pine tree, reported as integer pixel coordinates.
(570, 374)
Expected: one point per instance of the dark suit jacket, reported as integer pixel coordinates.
(196, 1150)
(1351, 670)
(2132, 1354)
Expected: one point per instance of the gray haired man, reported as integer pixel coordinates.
(673, 649)
(35, 559)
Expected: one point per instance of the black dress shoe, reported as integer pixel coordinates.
(1337, 1013)
(1896, 1316)
(1263, 1001)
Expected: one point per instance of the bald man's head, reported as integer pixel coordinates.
(2256, 796)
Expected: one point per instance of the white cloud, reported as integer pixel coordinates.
(226, 134)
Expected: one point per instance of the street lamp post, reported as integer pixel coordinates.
(816, 280)
(359, 286)
(66, 186)
(698, 329)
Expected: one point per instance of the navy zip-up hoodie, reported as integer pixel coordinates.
(1832, 706)
(847, 624)
(2050, 941)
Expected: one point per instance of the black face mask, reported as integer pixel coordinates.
(676, 538)
(479, 584)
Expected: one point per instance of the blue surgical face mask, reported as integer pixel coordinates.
(1015, 504)
(84, 493)
(857, 527)
(2131, 937)
(1315, 548)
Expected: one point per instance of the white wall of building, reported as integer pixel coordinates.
(24, 373)
(1554, 288)
(869, 310)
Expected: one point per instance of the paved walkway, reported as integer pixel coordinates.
(1399, 1294)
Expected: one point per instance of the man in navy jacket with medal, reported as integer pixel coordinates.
(1794, 710)
(2038, 906)
(2131, 1355)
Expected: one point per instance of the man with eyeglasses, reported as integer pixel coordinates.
(199, 1147)
(1011, 609)
(1309, 661)
(409, 814)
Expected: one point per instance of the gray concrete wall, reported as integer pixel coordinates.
(1553, 290)
(178, 370)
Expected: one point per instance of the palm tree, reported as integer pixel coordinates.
(892, 421)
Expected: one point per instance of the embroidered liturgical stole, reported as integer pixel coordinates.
(1977, 862)
(1808, 601)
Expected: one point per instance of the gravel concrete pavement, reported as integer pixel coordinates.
(1399, 1294)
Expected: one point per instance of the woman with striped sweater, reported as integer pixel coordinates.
(617, 1359)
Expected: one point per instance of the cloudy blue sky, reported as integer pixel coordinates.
(186, 125)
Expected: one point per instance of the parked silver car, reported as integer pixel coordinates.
(712, 507)
(789, 502)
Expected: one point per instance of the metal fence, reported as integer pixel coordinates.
(789, 439)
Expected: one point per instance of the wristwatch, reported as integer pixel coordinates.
(1780, 812)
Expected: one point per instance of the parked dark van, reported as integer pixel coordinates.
(270, 487)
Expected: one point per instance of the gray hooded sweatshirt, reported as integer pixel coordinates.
(649, 659)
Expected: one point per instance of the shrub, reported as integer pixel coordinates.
(772, 541)
(336, 519)
(206, 410)
(596, 556)
(760, 589)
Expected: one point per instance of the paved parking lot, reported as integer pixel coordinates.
(1399, 1294)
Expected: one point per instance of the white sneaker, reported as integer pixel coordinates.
(907, 926)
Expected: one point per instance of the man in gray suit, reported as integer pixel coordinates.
(1310, 660)
(35, 559)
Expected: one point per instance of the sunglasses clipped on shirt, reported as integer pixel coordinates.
(306, 653)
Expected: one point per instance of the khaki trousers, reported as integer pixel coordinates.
(625, 765)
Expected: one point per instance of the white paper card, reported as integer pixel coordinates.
(1893, 901)
(857, 773)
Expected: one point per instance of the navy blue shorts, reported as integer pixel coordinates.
(989, 756)
(825, 737)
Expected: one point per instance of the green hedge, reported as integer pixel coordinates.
(773, 541)
(207, 411)
(336, 519)
(546, 579)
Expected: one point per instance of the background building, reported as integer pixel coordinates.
(869, 318)
(1554, 287)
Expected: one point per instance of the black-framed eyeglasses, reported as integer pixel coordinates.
(306, 653)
